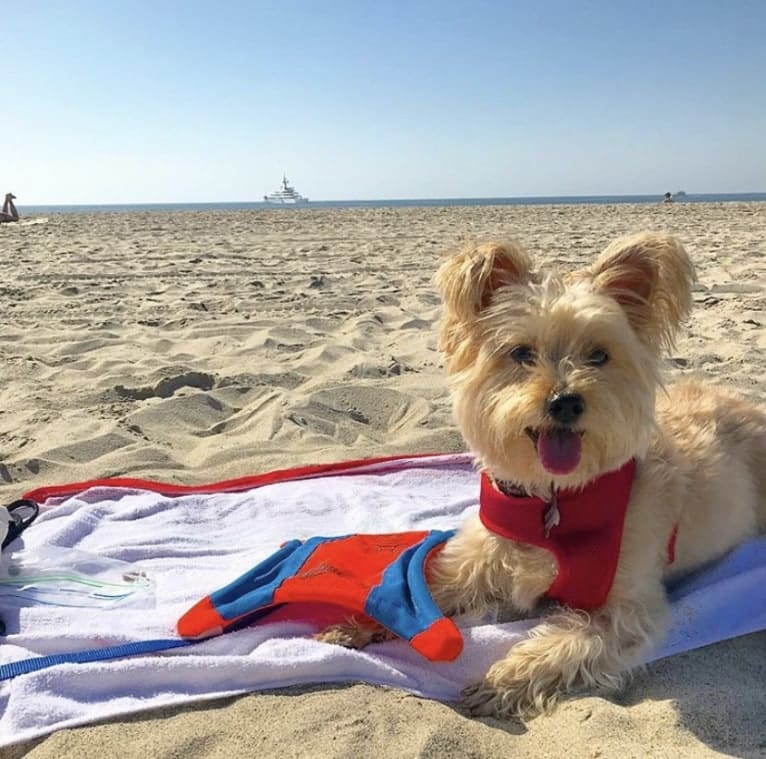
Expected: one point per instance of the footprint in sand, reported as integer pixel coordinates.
(165, 388)
(378, 409)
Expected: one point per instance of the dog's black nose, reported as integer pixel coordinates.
(565, 408)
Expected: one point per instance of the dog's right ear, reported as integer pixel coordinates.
(468, 279)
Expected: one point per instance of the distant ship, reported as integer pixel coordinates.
(680, 194)
(285, 195)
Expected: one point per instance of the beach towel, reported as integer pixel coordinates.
(192, 540)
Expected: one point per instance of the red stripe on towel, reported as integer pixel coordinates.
(42, 494)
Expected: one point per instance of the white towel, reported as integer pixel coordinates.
(194, 544)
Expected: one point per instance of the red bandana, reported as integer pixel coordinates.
(585, 539)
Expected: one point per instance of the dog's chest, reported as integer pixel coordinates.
(581, 528)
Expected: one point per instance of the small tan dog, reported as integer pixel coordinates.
(554, 381)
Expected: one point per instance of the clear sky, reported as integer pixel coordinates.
(163, 101)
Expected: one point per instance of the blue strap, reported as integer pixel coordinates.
(402, 602)
(36, 663)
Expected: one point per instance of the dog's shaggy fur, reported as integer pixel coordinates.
(513, 338)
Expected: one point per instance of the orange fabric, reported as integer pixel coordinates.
(439, 642)
(332, 574)
(202, 620)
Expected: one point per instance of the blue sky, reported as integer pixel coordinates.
(107, 102)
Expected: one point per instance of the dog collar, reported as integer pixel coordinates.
(582, 528)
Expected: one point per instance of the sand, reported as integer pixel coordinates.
(196, 346)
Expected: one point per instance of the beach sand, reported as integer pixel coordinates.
(197, 346)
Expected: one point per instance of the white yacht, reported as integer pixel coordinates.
(285, 194)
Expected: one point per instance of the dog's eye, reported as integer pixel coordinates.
(523, 354)
(597, 358)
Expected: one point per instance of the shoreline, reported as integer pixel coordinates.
(557, 200)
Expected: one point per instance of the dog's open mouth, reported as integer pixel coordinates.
(558, 448)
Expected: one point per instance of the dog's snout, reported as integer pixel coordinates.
(565, 408)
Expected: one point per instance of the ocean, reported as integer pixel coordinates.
(412, 203)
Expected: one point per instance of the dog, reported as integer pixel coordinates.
(556, 388)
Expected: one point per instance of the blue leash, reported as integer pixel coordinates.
(36, 663)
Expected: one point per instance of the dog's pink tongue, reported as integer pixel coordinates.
(559, 450)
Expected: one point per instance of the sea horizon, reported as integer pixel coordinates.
(741, 197)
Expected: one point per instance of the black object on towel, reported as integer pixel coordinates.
(23, 512)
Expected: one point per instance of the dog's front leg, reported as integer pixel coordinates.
(569, 651)
(476, 574)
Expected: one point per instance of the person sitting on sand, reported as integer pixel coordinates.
(9, 212)
(668, 198)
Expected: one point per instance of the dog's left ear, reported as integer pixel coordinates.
(650, 275)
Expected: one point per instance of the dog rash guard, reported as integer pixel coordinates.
(369, 577)
(382, 579)
(582, 529)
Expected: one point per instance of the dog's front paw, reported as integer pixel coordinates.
(352, 635)
(483, 700)
(503, 693)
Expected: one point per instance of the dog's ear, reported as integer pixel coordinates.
(650, 276)
(468, 279)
